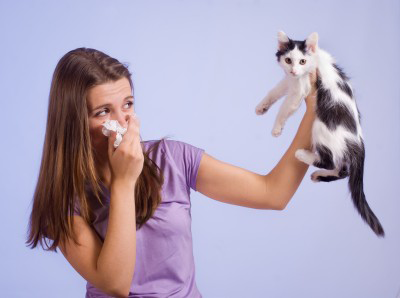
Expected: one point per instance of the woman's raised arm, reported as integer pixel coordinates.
(234, 185)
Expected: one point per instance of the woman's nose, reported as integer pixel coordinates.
(122, 118)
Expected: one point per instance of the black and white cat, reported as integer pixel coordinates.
(337, 141)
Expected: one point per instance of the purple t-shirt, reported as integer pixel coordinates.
(164, 251)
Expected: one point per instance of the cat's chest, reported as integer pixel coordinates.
(300, 86)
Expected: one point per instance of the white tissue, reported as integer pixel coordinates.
(114, 126)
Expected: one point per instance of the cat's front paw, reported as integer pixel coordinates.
(262, 109)
(276, 132)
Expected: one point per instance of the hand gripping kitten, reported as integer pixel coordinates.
(337, 140)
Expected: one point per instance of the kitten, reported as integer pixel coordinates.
(337, 141)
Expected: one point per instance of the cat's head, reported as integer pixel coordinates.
(297, 58)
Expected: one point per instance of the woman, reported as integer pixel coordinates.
(121, 216)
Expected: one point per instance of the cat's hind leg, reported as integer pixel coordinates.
(322, 158)
(325, 175)
(329, 175)
(325, 158)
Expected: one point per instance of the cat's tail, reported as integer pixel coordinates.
(356, 175)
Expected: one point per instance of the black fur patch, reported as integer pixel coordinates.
(290, 45)
(354, 151)
(333, 113)
(326, 158)
(345, 88)
(341, 73)
(343, 85)
(327, 178)
(344, 172)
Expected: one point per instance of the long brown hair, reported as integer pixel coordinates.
(68, 161)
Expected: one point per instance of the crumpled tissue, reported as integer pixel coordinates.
(114, 125)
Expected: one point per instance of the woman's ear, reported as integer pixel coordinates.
(312, 42)
(282, 40)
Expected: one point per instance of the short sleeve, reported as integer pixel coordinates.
(76, 211)
(77, 208)
(187, 158)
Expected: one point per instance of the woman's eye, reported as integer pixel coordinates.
(98, 114)
(302, 61)
(288, 60)
(130, 103)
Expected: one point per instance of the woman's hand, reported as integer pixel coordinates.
(311, 98)
(126, 161)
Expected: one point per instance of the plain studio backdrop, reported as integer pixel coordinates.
(199, 69)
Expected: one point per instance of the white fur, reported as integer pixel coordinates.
(306, 156)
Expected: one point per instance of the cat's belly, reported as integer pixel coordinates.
(335, 139)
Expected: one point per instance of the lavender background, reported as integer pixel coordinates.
(199, 69)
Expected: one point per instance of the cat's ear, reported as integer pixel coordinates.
(282, 40)
(312, 42)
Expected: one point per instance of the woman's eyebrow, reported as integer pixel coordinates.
(107, 104)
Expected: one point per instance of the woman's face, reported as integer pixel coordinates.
(108, 101)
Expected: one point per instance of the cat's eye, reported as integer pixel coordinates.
(288, 60)
(303, 61)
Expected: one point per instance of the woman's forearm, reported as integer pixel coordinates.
(117, 258)
(287, 175)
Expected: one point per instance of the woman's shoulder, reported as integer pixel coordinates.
(151, 145)
(164, 144)
(171, 147)
(182, 157)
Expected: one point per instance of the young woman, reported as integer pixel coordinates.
(121, 216)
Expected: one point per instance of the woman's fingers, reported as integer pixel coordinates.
(129, 138)
(127, 160)
(313, 81)
(313, 77)
(132, 132)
